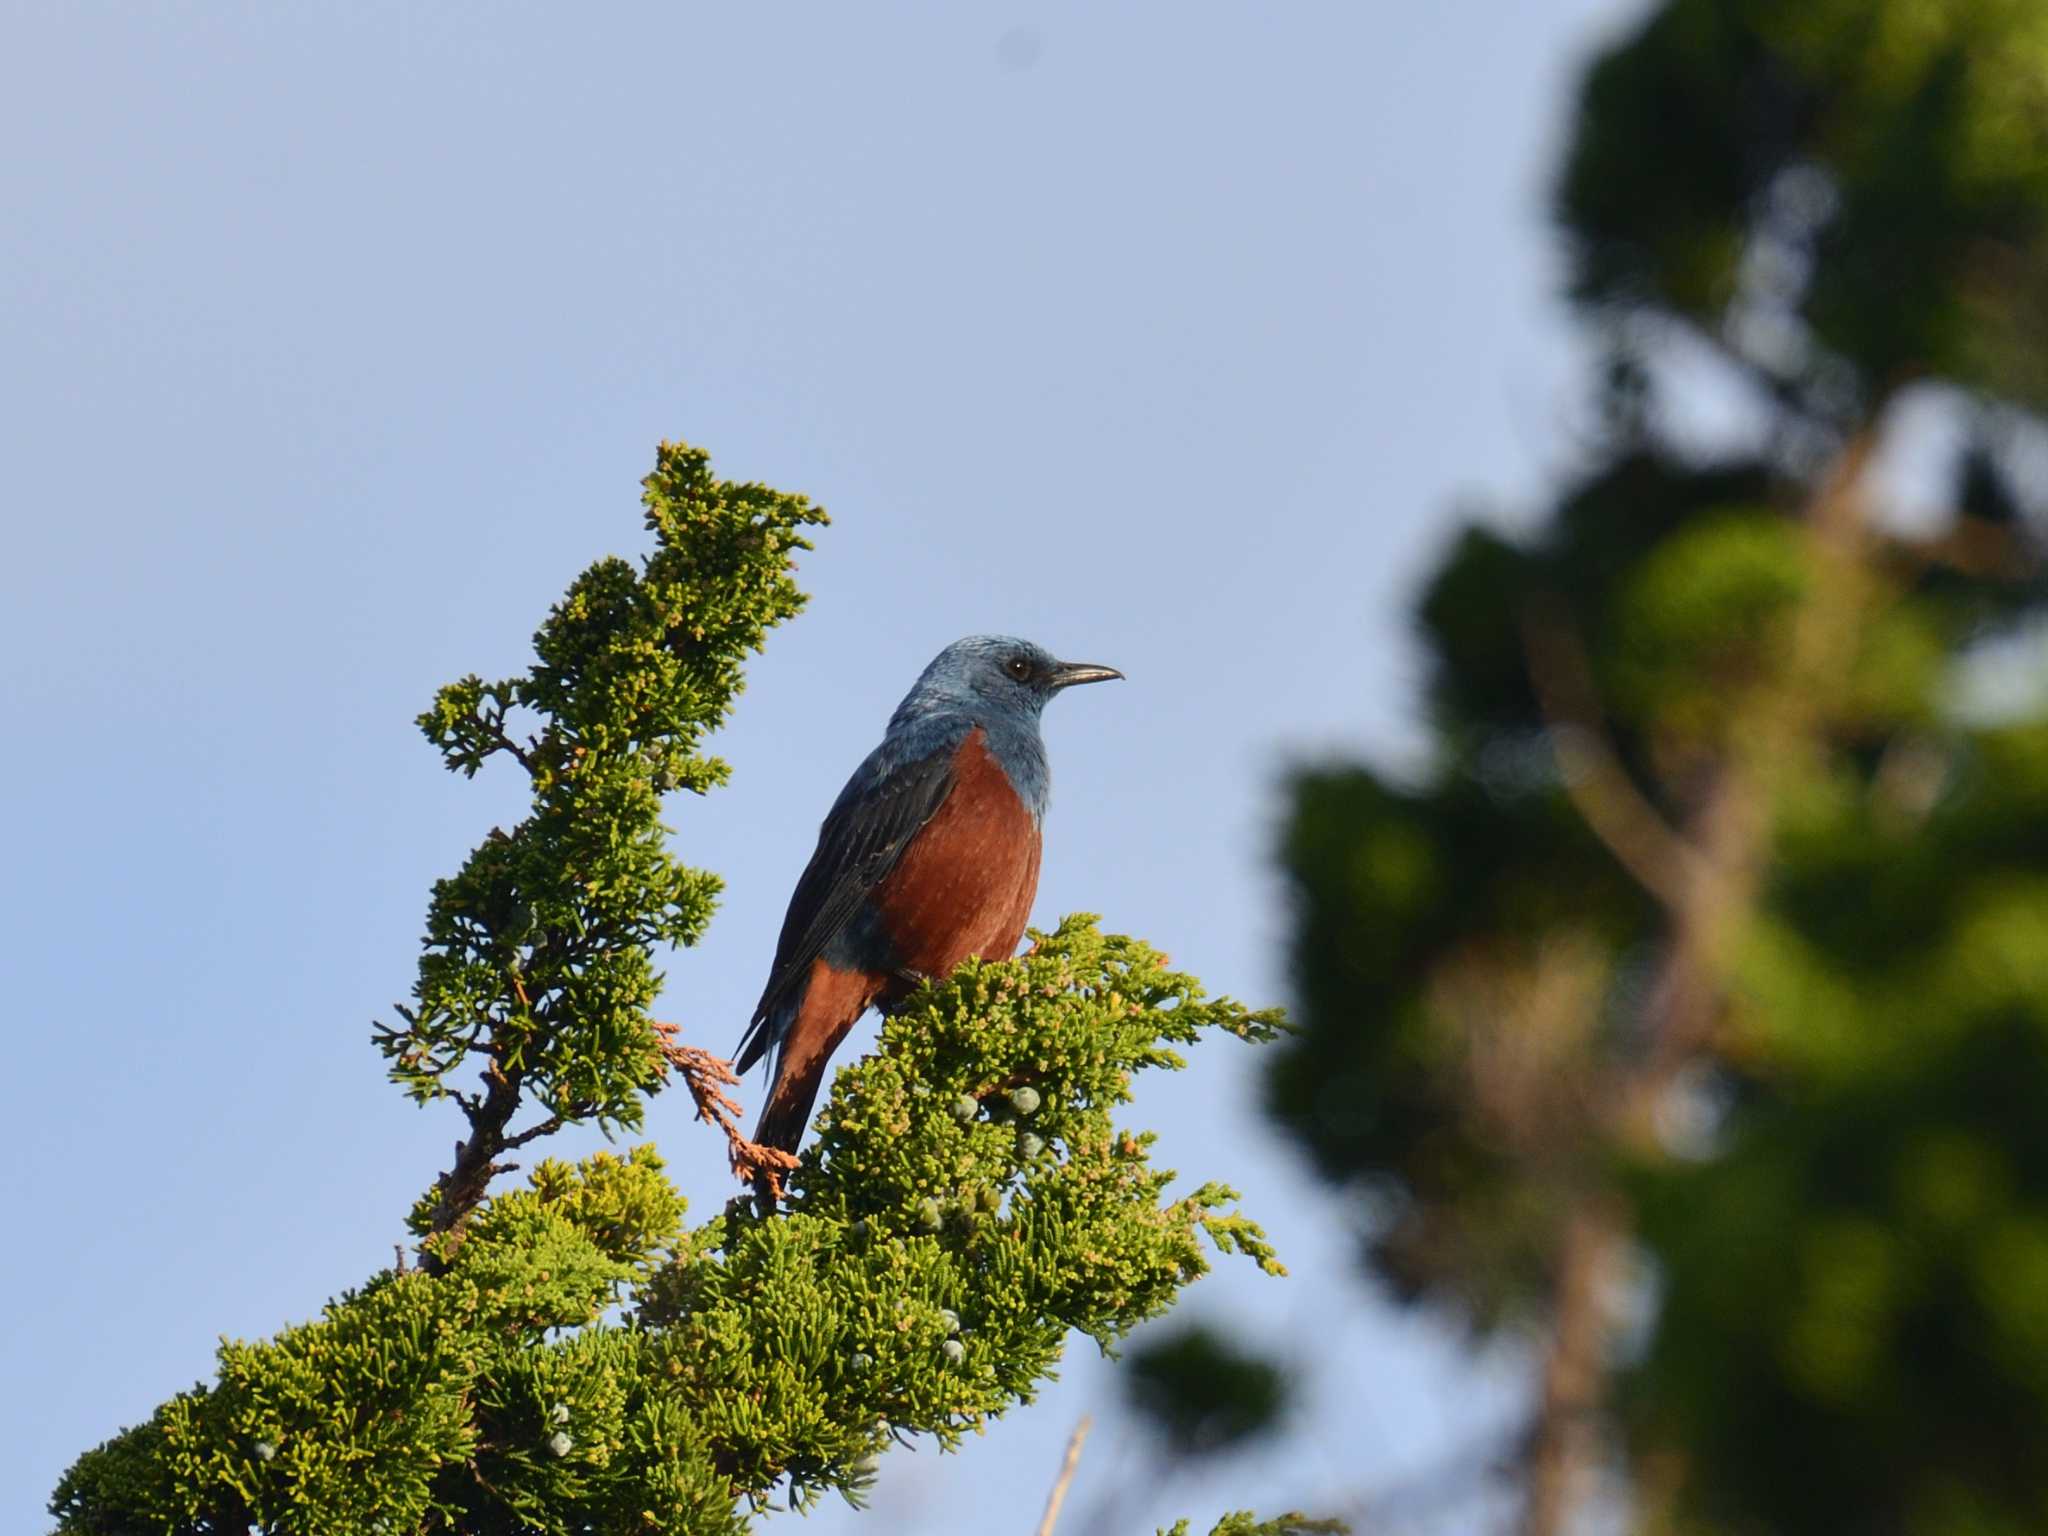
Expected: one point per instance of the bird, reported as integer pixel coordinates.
(929, 857)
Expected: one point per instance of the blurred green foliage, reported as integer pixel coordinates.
(1204, 1393)
(568, 1357)
(1698, 734)
(1847, 196)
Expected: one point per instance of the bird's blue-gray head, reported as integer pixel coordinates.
(995, 675)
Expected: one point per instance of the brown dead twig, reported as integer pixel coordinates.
(707, 1077)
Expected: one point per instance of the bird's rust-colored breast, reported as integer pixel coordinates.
(965, 885)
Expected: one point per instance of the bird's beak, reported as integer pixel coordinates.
(1067, 673)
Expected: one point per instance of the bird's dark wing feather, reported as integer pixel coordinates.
(858, 845)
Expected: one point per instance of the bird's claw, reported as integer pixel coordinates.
(764, 1167)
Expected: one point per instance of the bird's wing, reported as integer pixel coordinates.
(868, 828)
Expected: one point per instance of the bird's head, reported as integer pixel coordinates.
(997, 672)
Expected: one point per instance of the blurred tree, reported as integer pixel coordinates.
(1692, 1007)
(566, 1357)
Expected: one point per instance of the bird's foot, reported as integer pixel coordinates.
(901, 987)
(762, 1166)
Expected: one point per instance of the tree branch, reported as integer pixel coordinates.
(494, 722)
(462, 1186)
(547, 1127)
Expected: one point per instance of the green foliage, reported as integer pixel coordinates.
(567, 1358)
(539, 953)
(752, 1352)
(412, 1396)
(1243, 1522)
(910, 1229)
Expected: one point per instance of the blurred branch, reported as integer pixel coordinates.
(1707, 879)
(1072, 1460)
(1616, 811)
(1564, 1441)
(1975, 547)
(1782, 731)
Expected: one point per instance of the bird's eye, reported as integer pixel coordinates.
(1019, 667)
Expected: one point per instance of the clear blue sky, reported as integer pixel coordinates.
(334, 341)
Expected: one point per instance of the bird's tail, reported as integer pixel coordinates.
(804, 1044)
(788, 1110)
(763, 1033)
(782, 1123)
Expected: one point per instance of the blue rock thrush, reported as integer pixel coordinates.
(928, 857)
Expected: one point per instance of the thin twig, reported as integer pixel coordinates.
(1058, 1496)
(547, 1127)
(494, 722)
